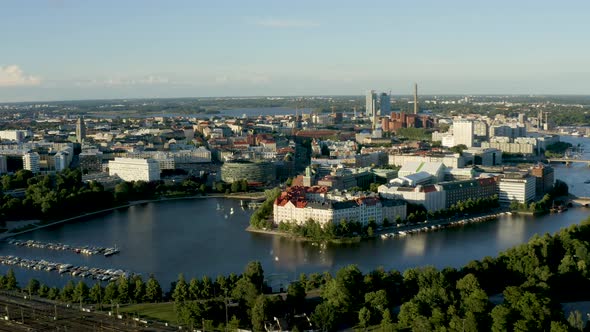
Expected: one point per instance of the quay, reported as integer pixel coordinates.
(86, 250)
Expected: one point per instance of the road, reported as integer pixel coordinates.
(43, 315)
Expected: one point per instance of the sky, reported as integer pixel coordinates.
(100, 49)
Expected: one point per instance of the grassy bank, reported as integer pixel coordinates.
(156, 311)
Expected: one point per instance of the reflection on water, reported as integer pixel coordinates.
(415, 246)
(514, 232)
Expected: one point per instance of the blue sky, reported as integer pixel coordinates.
(86, 49)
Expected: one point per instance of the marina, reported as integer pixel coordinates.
(442, 225)
(86, 250)
(65, 269)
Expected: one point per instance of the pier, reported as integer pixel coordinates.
(62, 268)
(86, 250)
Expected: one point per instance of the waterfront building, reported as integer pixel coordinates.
(135, 169)
(544, 178)
(516, 186)
(432, 197)
(31, 162)
(469, 189)
(299, 204)
(251, 171)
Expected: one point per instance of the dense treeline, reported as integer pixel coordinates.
(527, 284)
(64, 194)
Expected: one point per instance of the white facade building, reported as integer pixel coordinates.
(521, 189)
(299, 204)
(13, 135)
(454, 160)
(463, 131)
(132, 169)
(31, 162)
(431, 196)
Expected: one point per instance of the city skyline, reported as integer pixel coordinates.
(63, 50)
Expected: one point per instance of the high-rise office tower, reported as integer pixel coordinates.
(385, 104)
(371, 104)
(416, 98)
(80, 130)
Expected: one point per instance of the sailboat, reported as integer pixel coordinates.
(231, 211)
(218, 207)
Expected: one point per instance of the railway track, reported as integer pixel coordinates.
(31, 314)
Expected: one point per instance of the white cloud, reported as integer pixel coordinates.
(284, 23)
(125, 81)
(12, 75)
(253, 79)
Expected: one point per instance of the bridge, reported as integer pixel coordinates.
(580, 201)
(568, 161)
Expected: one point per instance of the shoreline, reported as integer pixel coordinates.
(7, 234)
(394, 230)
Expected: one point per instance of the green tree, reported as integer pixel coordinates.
(123, 290)
(67, 292)
(180, 293)
(324, 316)
(111, 293)
(33, 286)
(53, 293)
(10, 281)
(80, 292)
(296, 296)
(246, 292)
(260, 312)
(153, 291)
(139, 291)
(43, 290)
(255, 274)
(364, 317)
(96, 294)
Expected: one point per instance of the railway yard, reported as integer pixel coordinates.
(22, 313)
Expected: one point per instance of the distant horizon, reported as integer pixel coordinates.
(531, 95)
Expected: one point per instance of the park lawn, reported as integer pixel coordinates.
(157, 311)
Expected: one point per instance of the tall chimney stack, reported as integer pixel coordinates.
(415, 98)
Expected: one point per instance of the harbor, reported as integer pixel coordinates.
(86, 250)
(65, 269)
